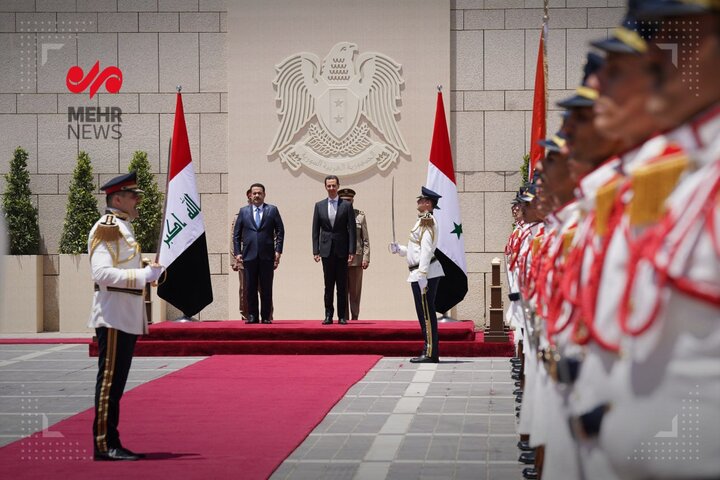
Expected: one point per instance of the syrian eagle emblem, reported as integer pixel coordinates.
(331, 110)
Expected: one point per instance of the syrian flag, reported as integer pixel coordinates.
(539, 115)
(183, 247)
(450, 250)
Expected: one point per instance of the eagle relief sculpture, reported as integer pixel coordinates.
(331, 105)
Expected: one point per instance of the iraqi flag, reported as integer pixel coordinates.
(450, 250)
(183, 247)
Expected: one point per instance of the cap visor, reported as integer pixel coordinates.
(575, 101)
(613, 45)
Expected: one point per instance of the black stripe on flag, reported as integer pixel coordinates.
(452, 287)
(187, 284)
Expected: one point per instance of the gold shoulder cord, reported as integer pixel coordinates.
(604, 200)
(651, 185)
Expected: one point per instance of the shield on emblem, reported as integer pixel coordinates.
(338, 110)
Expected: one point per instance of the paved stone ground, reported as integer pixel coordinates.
(453, 420)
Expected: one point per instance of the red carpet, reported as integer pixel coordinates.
(306, 337)
(226, 417)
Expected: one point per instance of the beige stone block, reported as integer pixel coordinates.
(615, 3)
(178, 5)
(465, 4)
(555, 96)
(157, 102)
(137, 5)
(52, 73)
(179, 61)
(21, 310)
(513, 180)
(51, 265)
(484, 182)
(17, 6)
(18, 131)
(213, 143)
(208, 182)
(504, 3)
(51, 312)
(223, 22)
(213, 62)
(213, 5)
(140, 72)
(586, 3)
(54, 5)
(75, 293)
(127, 102)
(192, 122)
(456, 101)
(218, 309)
(8, 103)
(159, 22)
(498, 221)
(504, 59)
(490, 100)
(577, 48)
(467, 140)
(215, 261)
(37, 103)
(481, 262)
(141, 132)
(201, 102)
(18, 59)
(471, 204)
(605, 17)
(565, 18)
(35, 22)
(555, 58)
(75, 100)
(540, 3)
(519, 99)
(56, 152)
(118, 22)
(484, 19)
(94, 47)
(468, 48)
(504, 140)
(96, 5)
(7, 22)
(77, 22)
(473, 306)
(51, 217)
(456, 19)
(214, 208)
(44, 184)
(200, 22)
(103, 151)
(224, 183)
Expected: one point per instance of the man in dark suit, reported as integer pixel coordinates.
(259, 230)
(333, 237)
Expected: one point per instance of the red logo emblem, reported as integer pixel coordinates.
(110, 76)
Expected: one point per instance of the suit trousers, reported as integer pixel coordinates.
(335, 271)
(259, 276)
(425, 309)
(354, 287)
(114, 359)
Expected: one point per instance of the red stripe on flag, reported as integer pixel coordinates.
(537, 130)
(180, 149)
(440, 151)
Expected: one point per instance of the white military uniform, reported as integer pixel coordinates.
(421, 248)
(116, 263)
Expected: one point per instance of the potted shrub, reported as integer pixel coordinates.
(22, 305)
(75, 286)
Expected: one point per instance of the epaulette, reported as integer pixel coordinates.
(604, 200)
(567, 239)
(535, 246)
(107, 229)
(427, 220)
(651, 185)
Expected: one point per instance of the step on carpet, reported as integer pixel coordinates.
(225, 417)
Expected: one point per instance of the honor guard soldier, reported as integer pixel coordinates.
(118, 311)
(425, 272)
(361, 260)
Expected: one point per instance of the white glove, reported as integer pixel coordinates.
(152, 272)
(394, 247)
(422, 283)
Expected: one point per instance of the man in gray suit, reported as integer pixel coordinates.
(259, 230)
(333, 239)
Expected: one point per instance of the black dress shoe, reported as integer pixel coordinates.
(327, 321)
(139, 455)
(518, 383)
(424, 359)
(530, 473)
(524, 446)
(527, 458)
(266, 320)
(252, 319)
(518, 391)
(518, 398)
(515, 376)
(342, 321)
(115, 454)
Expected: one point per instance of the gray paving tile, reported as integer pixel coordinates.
(503, 449)
(405, 471)
(505, 472)
(464, 471)
(325, 448)
(384, 405)
(371, 423)
(437, 472)
(443, 448)
(414, 448)
(355, 447)
(449, 424)
(423, 424)
(473, 448)
(476, 424)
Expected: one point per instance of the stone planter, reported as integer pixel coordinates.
(21, 298)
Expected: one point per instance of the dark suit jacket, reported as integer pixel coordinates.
(258, 241)
(337, 239)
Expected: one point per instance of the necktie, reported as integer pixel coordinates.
(257, 216)
(332, 211)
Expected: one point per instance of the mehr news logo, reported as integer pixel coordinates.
(98, 123)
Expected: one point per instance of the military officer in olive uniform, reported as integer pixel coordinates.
(425, 272)
(118, 311)
(361, 260)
